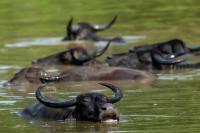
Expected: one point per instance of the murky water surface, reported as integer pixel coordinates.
(30, 29)
(58, 40)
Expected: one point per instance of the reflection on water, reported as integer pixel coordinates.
(35, 42)
(72, 126)
(7, 102)
(6, 67)
(148, 116)
(57, 40)
(183, 75)
(128, 39)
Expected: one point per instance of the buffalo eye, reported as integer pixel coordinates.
(86, 100)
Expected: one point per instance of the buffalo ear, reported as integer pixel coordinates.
(80, 55)
(80, 98)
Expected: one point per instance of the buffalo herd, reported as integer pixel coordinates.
(138, 64)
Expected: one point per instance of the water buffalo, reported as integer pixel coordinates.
(96, 73)
(86, 31)
(165, 55)
(93, 107)
(73, 56)
(37, 75)
(25, 76)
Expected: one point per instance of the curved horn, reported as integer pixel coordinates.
(117, 92)
(106, 25)
(99, 53)
(68, 29)
(172, 60)
(88, 57)
(53, 103)
(68, 35)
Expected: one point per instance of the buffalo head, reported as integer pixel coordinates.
(73, 56)
(25, 76)
(151, 56)
(168, 53)
(86, 31)
(94, 107)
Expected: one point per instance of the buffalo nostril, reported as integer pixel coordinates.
(103, 108)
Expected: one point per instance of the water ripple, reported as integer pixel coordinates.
(186, 75)
(2, 82)
(156, 116)
(6, 67)
(34, 42)
(57, 40)
(7, 102)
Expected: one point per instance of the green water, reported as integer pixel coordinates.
(168, 105)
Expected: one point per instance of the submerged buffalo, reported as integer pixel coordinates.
(36, 75)
(93, 107)
(25, 77)
(95, 73)
(165, 55)
(86, 31)
(73, 56)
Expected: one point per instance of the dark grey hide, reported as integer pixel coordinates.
(86, 31)
(94, 107)
(164, 55)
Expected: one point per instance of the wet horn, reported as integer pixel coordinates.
(68, 29)
(68, 35)
(106, 25)
(117, 92)
(99, 53)
(172, 59)
(53, 103)
(85, 56)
